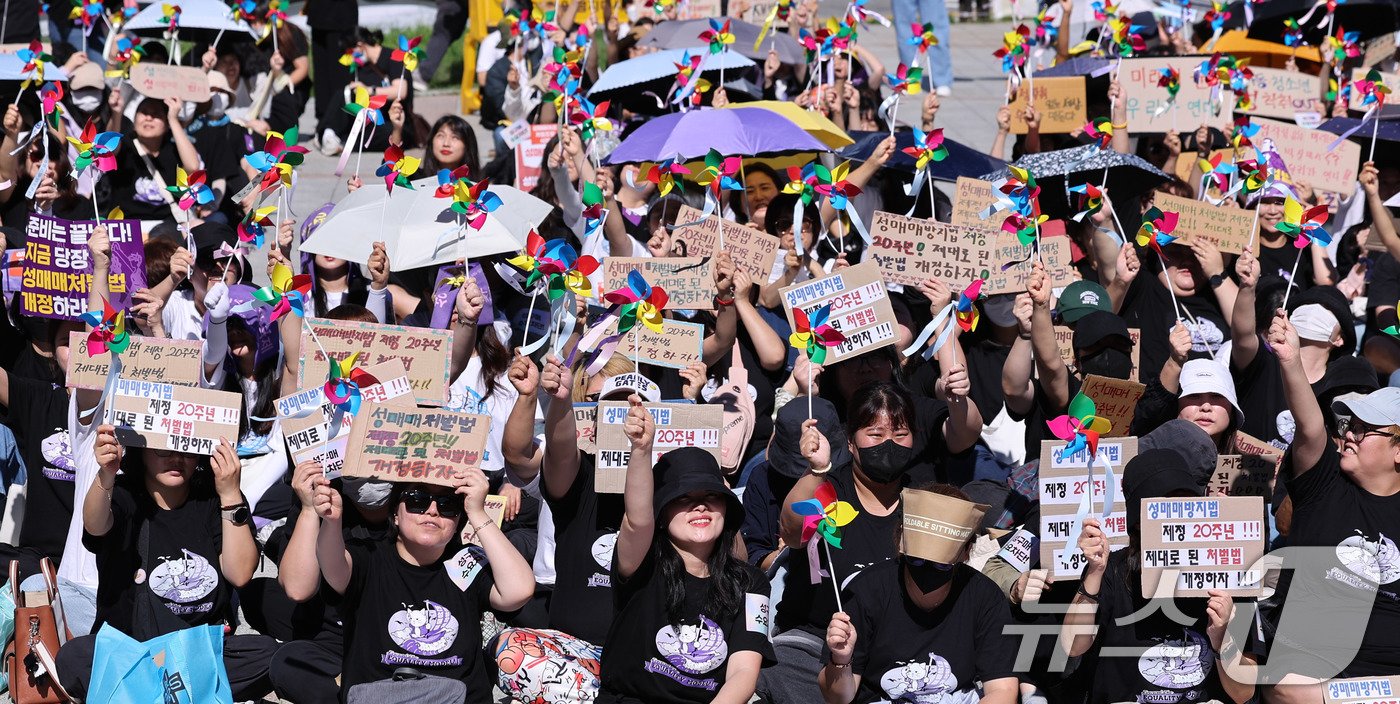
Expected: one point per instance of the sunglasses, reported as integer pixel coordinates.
(417, 501)
(1360, 430)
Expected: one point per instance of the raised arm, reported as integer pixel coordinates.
(469, 304)
(561, 453)
(1311, 437)
(297, 572)
(717, 346)
(772, 353)
(189, 158)
(1213, 265)
(1078, 630)
(1054, 375)
(1244, 333)
(964, 424)
(514, 580)
(817, 451)
(336, 563)
(1016, 384)
(1382, 224)
(522, 456)
(639, 519)
(97, 505)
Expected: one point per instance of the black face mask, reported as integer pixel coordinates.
(928, 575)
(1111, 363)
(886, 462)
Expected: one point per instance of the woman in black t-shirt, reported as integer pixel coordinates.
(918, 630)
(147, 161)
(692, 617)
(412, 602)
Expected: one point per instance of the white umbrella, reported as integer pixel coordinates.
(420, 230)
(199, 19)
(12, 69)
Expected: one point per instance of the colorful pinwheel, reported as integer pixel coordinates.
(287, 293)
(928, 147)
(719, 172)
(923, 37)
(447, 180)
(835, 186)
(590, 118)
(275, 19)
(1241, 132)
(474, 201)
(51, 100)
(34, 60)
(108, 330)
(409, 52)
(397, 167)
(780, 11)
(593, 211)
(190, 188)
(1156, 230)
(666, 175)
(1254, 174)
(824, 515)
(1306, 226)
(1292, 33)
(905, 79)
(280, 155)
(253, 227)
(169, 16)
(1126, 36)
(344, 381)
(1013, 49)
(1090, 200)
(718, 36)
(366, 106)
(1080, 427)
(555, 264)
(1170, 79)
(96, 149)
(353, 59)
(128, 52)
(1217, 171)
(812, 334)
(965, 309)
(1343, 45)
(1216, 17)
(87, 12)
(1371, 89)
(1100, 129)
(638, 300)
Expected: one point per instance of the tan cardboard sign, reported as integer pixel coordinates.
(156, 359)
(689, 282)
(1246, 444)
(677, 425)
(1191, 546)
(1244, 475)
(860, 308)
(677, 345)
(425, 352)
(754, 251)
(1064, 338)
(1193, 104)
(168, 417)
(1229, 228)
(1283, 94)
(1306, 153)
(161, 81)
(912, 250)
(1054, 250)
(413, 445)
(1115, 399)
(1063, 484)
(972, 197)
(1060, 102)
(1362, 690)
(586, 426)
(306, 417)
(937, 527)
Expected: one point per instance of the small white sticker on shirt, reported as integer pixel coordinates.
(1020, 549)
(756, 618)
(463, 568)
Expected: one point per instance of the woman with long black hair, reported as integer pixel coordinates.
(692, 619)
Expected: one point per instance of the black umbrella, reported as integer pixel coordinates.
(962, 160)
(1087, 66)
(1371, 18)
(1129, 175)
(685, 33)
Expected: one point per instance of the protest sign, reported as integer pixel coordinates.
(1022, 550)
(1201, 545)
(1193, 106)
(1379, 49)
(677, 345)
(1228, 228)
(911, 250)
(1063, 484)
(677, 425)
(1060, 102)
(161, 81)
(1246, 444)
(972, 197)
(1362, 690)
(428, 446)
(306, 417)
(426, 353)
(752, 250)
(58, 271)
(1276, 92)
(157, 359)
(1064, 339)
(1054, 250)
(1244, 475)
(529, 157)
(1355, 100)
(860, 308)
(698, 9)
(586, 426)
(689, 282)
(1308, 158)
(1114, 399)
(169, 417)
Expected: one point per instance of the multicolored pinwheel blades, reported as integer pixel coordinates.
(474, 201)
(638, 300)
(905, 79)
(718, 174)
(1305, 225)
(1156, 230)
(190, 189)
(96, 149)
(1090, 200)
(409, 52)
(717, 36)
(666, 175)
(1080, 427)
(928, 147)
(966, 308)
(812, 334)
(344, 381)
(253, 228)
(108, 330)
(824, 515)
(397, 167)
(287, 293)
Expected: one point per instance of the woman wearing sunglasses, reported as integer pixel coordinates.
(416, 601)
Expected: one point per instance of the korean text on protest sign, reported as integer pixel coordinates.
(1063, 484)
(58, 269)
(677, 425)
(860, 308)
(168, 417)
(1202, 544)
(415, 445)
(425, 353)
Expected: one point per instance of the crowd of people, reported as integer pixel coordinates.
(794, 561)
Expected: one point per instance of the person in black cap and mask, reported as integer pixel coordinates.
(184, 310)
(1111, 589)
(692, 617)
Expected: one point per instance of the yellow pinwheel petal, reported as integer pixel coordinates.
(840, 513)
(578, 283)
(182, 179)
(650, 316)
(409, 165)
(799, 339)
(1097, 424)
(1292, 211)
(523, 262)
(281, 277)
(349, 363)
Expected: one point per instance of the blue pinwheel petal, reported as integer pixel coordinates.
(488, 201)
(818, 317)
(92, 317)
(262, 161)
(810, 507)
(444, 177)
(384, 170)
(638, 284)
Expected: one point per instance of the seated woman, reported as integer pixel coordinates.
(413, 602)
(146, 163)
(692, 619)
(925, 627)
(179, 523)
(379, 74)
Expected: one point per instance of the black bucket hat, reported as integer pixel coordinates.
(688, 469)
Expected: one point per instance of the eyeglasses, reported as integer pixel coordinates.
(417, 501)
(1358, 430)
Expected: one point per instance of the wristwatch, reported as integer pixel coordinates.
(1217, 280)
(237, 514)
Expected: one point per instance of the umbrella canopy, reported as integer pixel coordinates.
(811, 121)
(1371, 18)
(1386, 131)
(962, 160)
(1263, 52)
(12, 69)
(627, 83)
(1088, 66)
(1129, 175)
(679, 35)
(741, 131)
(422, 229)
(199, 20)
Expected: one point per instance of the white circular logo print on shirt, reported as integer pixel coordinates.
(1206, 336)
(1286, 426)
(603, 550)
(423, 630)
(1376, 560)
(696, 648)
(183, 579)
(922, 682)
(1178, 663)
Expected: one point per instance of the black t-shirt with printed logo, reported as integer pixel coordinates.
(39, 417)
(650, 660)
(1148, 307)
(1161, 660)
(424, 617)
(1329, 510)
(158, 570)
(585, 529)
(865, 541)
(904, 653)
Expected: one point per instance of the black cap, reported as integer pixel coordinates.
(785, 450)
(1348, 374)
(208, 235)
(1097, 326)
(1190, 441)
(1336, 303)
(1154, 474)
(688, 469)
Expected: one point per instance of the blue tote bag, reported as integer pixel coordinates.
(184, 667)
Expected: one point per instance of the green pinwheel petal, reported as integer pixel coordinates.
(556, 288)
(119, 343)
(816, 351)
(1082, 407)
(534, 278)
(628, 318)
(830, 532)
(592, 194)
